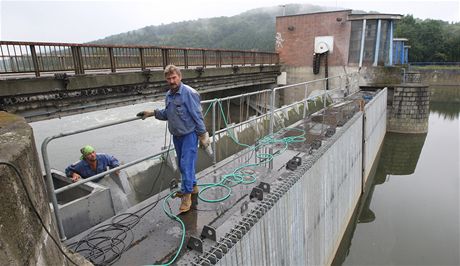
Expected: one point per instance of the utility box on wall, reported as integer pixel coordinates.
(324, 44)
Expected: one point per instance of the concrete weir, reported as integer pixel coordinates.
(23, 237)
(302, 219)
(292, 210)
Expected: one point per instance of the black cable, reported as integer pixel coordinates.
(105, 244)
(21, 178)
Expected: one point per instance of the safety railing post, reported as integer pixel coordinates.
(51, 193)
(214, 156)
(185, 58)
(272, 111)
(33, 53)
(305, 105)
(325, 93)
(77, 60)
(112, 60)
(142, 58)
(165, 57)
(272, 122)
(203, 57)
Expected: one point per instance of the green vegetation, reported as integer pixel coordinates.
(251, 30)
(436, 67)
(430, 40)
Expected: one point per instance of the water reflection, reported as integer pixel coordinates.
(399, 156)
(409, 214)
(445, 102)
(447, 110)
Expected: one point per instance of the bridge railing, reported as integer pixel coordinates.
(39, 57)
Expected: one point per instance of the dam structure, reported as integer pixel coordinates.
(281, 197)
(295, 135)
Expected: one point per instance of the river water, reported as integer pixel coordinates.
(127, 142)
(411, 213)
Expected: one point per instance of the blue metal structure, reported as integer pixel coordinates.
(400, 51)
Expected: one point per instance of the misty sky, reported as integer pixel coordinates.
(83, 21)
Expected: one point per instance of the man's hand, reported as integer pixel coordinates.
(204, 140)
(75, 177)
(145, 114)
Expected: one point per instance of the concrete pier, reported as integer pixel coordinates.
(409, 108)
(23, 239)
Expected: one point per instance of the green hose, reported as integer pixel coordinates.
(238, 176)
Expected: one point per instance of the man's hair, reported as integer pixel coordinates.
(172, 69)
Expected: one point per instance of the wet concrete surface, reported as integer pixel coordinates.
(146, 235)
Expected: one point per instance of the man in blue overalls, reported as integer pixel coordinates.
(185, 122)
(90, 164)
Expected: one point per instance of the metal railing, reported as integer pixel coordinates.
(268, 98)
(40, 57)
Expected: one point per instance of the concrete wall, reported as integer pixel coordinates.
(23, 240)
(307, 222)
(409, 109)
(50, 97)
(440, 78)
(374, 130)
(380, 76)
(305, 226)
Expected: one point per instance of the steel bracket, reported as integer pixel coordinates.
(195, 243)
(293, 163)
(264, 186)
(257, 193)
(209, 232)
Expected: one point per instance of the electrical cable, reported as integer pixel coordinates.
(21, 178)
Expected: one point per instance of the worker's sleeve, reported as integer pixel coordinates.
(161, 114)
(193, 104)
(112, 162)
(73, 168)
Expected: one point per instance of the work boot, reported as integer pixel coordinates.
(186, 203)
(179, 194)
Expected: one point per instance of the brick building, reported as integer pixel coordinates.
(316, 45)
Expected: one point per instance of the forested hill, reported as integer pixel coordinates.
(251, 30)
(430, 40)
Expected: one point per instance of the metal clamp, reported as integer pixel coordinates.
(195, 244)
(316, 144)
(209, 232)
(264, 186)
(257, 193)
(330, 131)
(293, 163)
